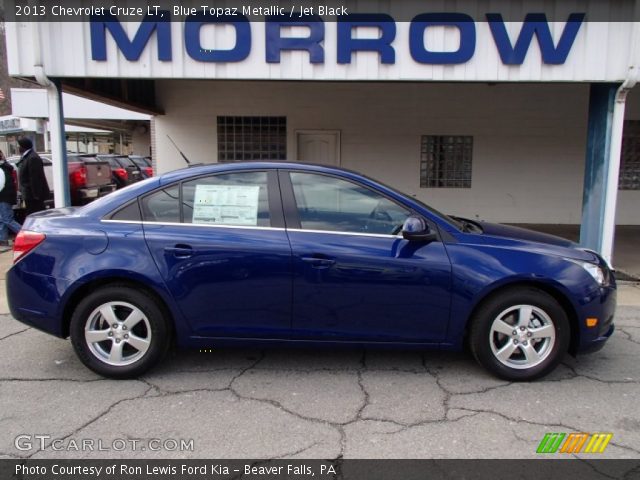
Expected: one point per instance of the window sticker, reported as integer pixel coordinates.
(226, 204)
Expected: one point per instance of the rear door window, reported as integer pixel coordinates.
(234, 199)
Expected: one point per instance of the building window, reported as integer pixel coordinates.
(445, 161)
(630, 157)
(252, 138)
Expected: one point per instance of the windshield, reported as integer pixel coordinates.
(456, 223)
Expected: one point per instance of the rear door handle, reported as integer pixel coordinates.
(318, 262)
(179, 251)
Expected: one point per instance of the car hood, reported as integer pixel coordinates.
(518, 233)
(507, 235)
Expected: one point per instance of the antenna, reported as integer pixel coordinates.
(179, 151)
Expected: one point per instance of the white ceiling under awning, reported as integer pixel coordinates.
(32, 103)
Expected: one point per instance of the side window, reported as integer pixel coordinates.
(162, 205)
(229, 199)
(333, 204)
(130, 213)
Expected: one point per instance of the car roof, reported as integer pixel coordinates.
(199, 169)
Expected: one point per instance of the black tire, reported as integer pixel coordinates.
(515, 368)
(153, 328)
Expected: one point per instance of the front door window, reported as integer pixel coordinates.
(331, 204)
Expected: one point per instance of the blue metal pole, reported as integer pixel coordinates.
(601, 106)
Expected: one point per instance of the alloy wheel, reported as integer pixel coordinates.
(118, 333)
(522, 336)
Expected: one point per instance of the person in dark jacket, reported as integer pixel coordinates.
(33, 183)
(8, 198)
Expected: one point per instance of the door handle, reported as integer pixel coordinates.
(179, 251)
(318, 262)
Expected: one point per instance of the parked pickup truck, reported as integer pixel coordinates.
(89, 178)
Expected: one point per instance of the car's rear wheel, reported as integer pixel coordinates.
(119, 332)
(520, 334)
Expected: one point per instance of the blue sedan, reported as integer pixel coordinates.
(292, 254)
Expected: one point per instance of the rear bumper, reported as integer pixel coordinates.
(106, 189)
(86, 193)
(34, 299)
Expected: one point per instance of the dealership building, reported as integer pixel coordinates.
(515, 115)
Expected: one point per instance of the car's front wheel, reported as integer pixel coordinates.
(119, 331)
(520, 334)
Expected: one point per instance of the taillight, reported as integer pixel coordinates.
(149, 171)
(78, 178)
(121, 173)
(26, 240)
(14, 175)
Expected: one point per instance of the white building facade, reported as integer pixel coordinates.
(520, 115)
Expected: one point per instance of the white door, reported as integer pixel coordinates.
(321, 147)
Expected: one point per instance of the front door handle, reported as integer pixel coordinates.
(179, 251)
(318, 262)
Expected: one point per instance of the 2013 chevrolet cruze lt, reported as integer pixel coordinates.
(293, 254)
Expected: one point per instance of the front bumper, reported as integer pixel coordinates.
(597, 343)
(601, 305)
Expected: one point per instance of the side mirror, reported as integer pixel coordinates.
(415, 229)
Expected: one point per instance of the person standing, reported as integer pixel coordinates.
(33, 183)
(8, 198)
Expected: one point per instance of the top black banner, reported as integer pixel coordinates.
(305, 10)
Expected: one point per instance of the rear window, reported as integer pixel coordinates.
(141, 162)
(112, 161)
(125, 162)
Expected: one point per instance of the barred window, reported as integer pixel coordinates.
(252, 138)
(629, 178)
(445, 161)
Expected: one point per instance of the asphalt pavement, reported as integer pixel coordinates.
(312, 403)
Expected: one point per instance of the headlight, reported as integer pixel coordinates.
(597, 272)
(602, 259)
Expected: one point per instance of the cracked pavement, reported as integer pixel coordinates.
(324, 404)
